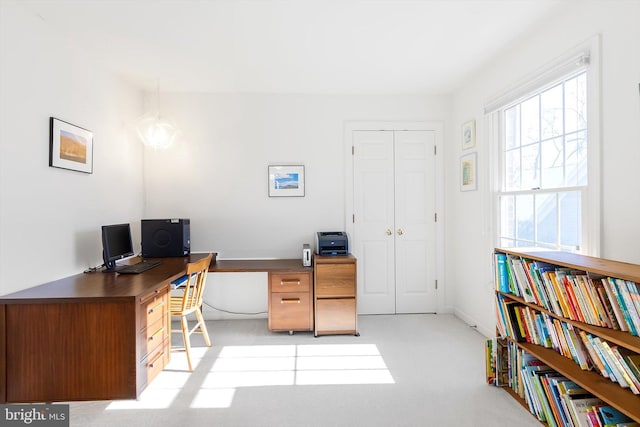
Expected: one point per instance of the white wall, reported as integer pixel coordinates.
(217, 174)
(50, 218)
(469, 230)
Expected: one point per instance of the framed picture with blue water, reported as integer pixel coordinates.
(286, 180)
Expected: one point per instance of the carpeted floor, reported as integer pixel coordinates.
(403, 370)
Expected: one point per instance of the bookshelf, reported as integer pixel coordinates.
(536, 314)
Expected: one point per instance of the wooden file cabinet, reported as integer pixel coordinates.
(290, 301)
(335, 295)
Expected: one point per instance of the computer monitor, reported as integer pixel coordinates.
(116, 244)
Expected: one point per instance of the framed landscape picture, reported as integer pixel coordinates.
(70, 146)
(286, 180)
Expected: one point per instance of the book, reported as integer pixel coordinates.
(578, 408)
(502, 277)
(612, 321)
(534, 278)
(614, 304)
(490, 364)
(593, 355)
(627, 372)
(611, 416)
(542, 270)
(623, 306)
(612, 362)
(593, 417)
(634, 297)
(634, 316)
(633, 361)
(521, 279)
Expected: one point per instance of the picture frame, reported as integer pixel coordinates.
(286, 181)
(469, 172)
(469, 135)
(70, 146)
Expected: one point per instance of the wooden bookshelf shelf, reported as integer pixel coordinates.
(624, 339)
(620, 398)
(592, 381)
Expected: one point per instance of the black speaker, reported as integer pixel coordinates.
(165, 238)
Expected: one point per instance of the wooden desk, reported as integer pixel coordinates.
(90, 336)
(290, 290)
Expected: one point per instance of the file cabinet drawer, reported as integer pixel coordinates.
(336, 315)
(290, 311)
(335, 280)
(289, 282)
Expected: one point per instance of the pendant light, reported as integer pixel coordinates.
(155, 131)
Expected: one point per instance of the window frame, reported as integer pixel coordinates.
(585, 57)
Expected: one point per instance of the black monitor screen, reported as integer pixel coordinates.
(116, 244)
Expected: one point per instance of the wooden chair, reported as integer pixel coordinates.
(191, 303)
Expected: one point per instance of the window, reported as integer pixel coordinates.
(544, 177)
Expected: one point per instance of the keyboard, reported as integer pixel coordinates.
(140, 267)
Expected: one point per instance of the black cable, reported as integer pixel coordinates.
(232, 312)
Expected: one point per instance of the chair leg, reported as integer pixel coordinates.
(203, 327)
(187, 343)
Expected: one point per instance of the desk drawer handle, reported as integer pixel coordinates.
(289, 281)
(152, 364)
(290, 301)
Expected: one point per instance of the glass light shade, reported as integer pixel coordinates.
(156, 132)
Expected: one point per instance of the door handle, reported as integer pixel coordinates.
(389, 232)
(400, 232)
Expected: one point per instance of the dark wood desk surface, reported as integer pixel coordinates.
(257, 265)
(85, 337)
(99, 285)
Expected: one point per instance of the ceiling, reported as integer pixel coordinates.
(294, 46)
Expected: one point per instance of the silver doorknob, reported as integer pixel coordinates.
(400, 232)
(389, 232)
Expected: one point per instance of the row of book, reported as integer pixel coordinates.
(551, 397)
(585, 297)
(525, 324)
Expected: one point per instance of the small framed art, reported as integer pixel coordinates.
(468, 172)
(286, 180)
(70, 146)
(469, 135)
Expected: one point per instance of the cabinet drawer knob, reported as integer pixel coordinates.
(290, 301)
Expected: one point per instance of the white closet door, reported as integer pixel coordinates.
(394, 229)
(414, 222)
(374, 221)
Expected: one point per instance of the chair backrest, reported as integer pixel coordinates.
(196, 279)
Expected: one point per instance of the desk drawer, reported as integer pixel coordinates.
(155, 309)
(154, 336)
(289, 282)
(290, 311)
(154, 364)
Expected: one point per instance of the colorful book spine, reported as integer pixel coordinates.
(502, 275)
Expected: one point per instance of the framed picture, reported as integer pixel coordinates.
(469, 134)
(468, 172)
(70, 146)
(286, 180)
